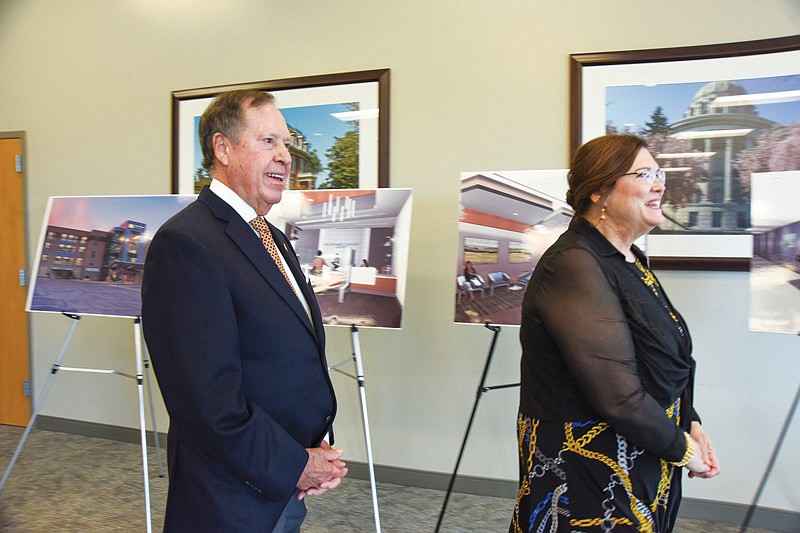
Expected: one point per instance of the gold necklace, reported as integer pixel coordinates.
(650, 280)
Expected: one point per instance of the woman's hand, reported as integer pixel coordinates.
(704, 464)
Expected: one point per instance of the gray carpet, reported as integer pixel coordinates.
(70, 483)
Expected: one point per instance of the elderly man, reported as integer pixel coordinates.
(237, 340)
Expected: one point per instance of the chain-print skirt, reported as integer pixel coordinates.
(583, 476)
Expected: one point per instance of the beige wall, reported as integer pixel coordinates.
(475, 86)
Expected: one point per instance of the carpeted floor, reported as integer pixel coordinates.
(70, 483)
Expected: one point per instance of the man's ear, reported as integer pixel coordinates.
(221, 148)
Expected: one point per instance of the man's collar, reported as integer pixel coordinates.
(228, 196)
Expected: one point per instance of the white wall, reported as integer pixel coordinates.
(746, 382)
(474, 85)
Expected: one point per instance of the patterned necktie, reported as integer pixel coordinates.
(262, 228)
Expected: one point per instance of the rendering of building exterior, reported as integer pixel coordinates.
(96, 255)
(302, 176)
(721, 131)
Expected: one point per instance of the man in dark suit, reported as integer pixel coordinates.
(237, 341)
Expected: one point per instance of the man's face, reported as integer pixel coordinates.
(257, 166)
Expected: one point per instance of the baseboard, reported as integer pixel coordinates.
(735, 513)
(732, 513)
(100, 431)
(423, 479)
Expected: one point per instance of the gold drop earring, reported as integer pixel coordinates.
(603, 213)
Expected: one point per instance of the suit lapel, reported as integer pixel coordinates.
(248, 242)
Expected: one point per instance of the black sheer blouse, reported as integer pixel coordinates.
(600, 340)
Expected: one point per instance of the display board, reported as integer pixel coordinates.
(92, 250)
(506, 222)
(775, 269)
(353, 245)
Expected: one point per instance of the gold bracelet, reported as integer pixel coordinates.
(690, 451)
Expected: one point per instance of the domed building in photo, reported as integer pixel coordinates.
(717, 124)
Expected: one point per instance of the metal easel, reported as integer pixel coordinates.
(482, 388)
(359, 377)
(140, 378)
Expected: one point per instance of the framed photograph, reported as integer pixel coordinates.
(339, 125)
(713, 116)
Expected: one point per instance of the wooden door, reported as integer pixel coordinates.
(15, 406)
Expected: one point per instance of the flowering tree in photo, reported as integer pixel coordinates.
(777, 149)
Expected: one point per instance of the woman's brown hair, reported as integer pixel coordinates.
(596, 167)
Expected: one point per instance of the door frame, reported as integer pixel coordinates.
(22, 136)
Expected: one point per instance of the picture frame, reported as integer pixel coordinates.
(591, 76)
(519, 252)
(361, 99)
(481, 251)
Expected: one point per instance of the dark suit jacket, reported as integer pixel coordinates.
(241, 368)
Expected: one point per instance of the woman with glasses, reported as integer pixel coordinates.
(606, 420)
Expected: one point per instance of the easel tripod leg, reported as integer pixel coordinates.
(365, 418)
(152, 409)
(137, 326)
(478, 394)
(40, 402)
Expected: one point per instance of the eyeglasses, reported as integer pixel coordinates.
(649, 175)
